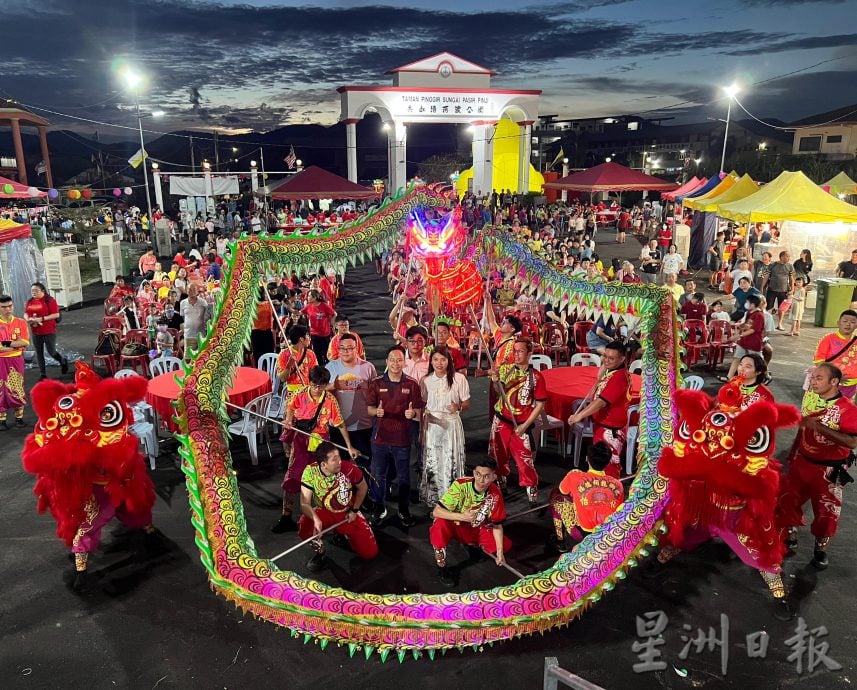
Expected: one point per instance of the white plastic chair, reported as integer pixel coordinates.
(540, 362)
(145, 431)
(268, 364)
(636, 367)
(251, 425)
(631, 439)
(164, 365)
(545, 422)
(585, 359)
(143, 411)
(693, 383)
(580, 430)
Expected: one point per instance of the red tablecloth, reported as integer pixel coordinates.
(248, 383)
(567, 384)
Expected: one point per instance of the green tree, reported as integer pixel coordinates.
(439, 168)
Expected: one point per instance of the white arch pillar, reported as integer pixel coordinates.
(483, 155)
(351, 147)
(397, 155)
(525, 148)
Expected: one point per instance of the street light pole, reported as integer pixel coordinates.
(731, 92)
(143, 154)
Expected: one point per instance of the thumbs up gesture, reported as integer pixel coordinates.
(379, 412)
(410, 413)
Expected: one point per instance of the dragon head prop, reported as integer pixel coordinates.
(83, 437)
(720, 466)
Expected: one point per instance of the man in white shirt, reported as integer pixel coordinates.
(196, 313)
(349, 377)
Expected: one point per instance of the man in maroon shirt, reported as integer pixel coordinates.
(394, 399)
(694, 308)
(749, 339)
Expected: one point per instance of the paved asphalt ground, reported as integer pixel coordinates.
(150, 620)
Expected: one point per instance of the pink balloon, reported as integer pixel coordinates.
(117, 191)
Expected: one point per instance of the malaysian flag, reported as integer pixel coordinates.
(41, 168)
(291, 159)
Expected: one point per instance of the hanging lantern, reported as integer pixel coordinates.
(86, 193)
(32, 191)
(53, 193)
(462, 285)
(117, 191)
(73, 194)
(128, 190)
(8, 189)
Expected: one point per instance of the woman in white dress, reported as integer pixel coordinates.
(446, 394)
(672, 261)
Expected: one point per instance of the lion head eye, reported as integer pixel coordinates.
(112, 415)
(761, 441)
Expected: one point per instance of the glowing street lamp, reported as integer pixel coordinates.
(134, 82)
(731, 91)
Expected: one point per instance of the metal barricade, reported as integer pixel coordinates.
(554, 675)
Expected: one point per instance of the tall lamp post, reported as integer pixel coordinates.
(564, 174)
(731, 92)
(134, 82)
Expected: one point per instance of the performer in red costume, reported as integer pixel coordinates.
(723, 482)
(87, 463)
(819, 460)
(583, 500)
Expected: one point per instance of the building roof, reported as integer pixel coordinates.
(840, 116)
(11, 110)
(433, 62)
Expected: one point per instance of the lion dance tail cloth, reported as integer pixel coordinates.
(723, 482)
(87, 463)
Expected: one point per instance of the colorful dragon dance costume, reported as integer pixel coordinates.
(87, 463)
(723, 481)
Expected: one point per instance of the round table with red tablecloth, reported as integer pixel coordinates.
(567, 384)
(247, 383)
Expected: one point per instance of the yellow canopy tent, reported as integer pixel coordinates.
(792, 196)
(725, 184)
(741, 189)
(841, 184)
(504, 164)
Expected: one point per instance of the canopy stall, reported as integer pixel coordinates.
(792, 196)
(704, 227)
(725, 184)
(19, 191)
(692, 184)
(712, 182)
(611, 177)
(841, 184)
(317, 183)
(21, 262)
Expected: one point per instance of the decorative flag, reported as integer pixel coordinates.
(559, 157)
(138, 158)
(291, 159)
(41, 168)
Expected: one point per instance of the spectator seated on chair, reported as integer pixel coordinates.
(717, 313)
(584, 499)
(164, 342)
(695, 308)
(604, 332)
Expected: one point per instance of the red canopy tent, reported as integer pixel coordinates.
(21, 191)
(611, 177)
(691, 185)
(317, 183)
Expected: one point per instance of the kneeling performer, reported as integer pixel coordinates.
(472, 512)
(333, 490)
(583, 500)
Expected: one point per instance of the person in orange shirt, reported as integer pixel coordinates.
(311, 411)
(262, 334)
(295, 362)
(13, 341)
(343, 327)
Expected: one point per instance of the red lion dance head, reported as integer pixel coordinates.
(83, 437)
(720, 466)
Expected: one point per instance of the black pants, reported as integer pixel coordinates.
(261, 342)
(320, 343)
(46, 342)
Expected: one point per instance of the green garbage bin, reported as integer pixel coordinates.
(126, 261)
(834, 297)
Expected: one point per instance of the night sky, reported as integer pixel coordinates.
(261, 64)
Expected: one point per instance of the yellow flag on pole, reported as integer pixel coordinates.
(138, 158)
(556, 160)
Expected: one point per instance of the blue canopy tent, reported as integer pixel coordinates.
(713, 181)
